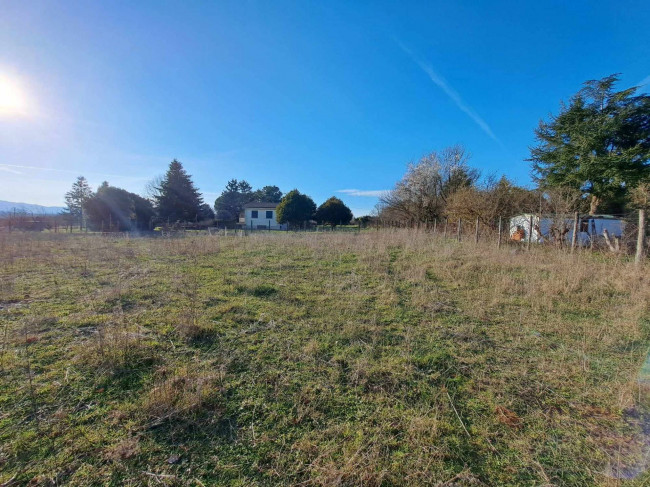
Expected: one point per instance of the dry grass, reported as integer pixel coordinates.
(181, 393)
(380, 358)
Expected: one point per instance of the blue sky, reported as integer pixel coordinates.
(321, 96)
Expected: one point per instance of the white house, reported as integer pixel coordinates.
(590, 227)
(259, 215)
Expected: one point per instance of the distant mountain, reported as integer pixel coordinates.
(7, 207)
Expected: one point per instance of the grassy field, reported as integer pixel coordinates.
(380, 358)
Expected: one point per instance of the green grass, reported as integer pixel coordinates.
(380, 358)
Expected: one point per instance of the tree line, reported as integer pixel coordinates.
(591, 157)
(175, 199)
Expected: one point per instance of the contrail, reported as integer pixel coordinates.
(450, 92)
(9, 170)
(643, 82)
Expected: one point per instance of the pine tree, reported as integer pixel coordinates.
(177, 198)
(76, 197)
(231, 202)
(268, 194)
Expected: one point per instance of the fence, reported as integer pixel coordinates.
(631, 241)
(632, 238)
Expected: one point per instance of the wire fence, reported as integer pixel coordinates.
(621, 234)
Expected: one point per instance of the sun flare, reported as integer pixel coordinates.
(13, 100)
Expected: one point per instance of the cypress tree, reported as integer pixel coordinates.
(177, 198)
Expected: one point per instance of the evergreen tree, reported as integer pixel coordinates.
(109, 209)
(231, 202)
(178, 199)
(143, 212)
(76, 197)
(334, 212)
(206, 213)
(268, 194)
(599, 144)
(112, 208)
(295, 208)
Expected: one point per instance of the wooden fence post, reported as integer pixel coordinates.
(499, 240)
(574, 237)
(446, 220)
(476, 231)
(435, 225)
(460, 224)
(638, 258)
(530, 232)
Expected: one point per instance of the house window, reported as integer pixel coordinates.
(254, 214)
(269, 214)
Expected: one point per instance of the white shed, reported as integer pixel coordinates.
(589, 227)
(260, 215)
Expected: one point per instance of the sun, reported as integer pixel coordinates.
(13, 100)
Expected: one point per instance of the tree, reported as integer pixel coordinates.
(491, 199)
(112, 208)
(598, 144)
(144, 212)
(422, 194)
(206, 212)
(334, 212)
(152, 188)
(231, 202)
(178, 199)
(268, 194)
(109, 209)
(295, 208)
(76, 197)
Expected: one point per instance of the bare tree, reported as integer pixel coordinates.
(152, 187)
(423, 192)
(489, 200)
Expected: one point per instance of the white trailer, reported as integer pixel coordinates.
(590, 227)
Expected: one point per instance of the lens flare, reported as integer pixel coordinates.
(13, 100)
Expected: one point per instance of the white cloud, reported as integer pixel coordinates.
(451, 93)
(372, 193)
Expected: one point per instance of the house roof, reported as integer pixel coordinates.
(260, 204)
